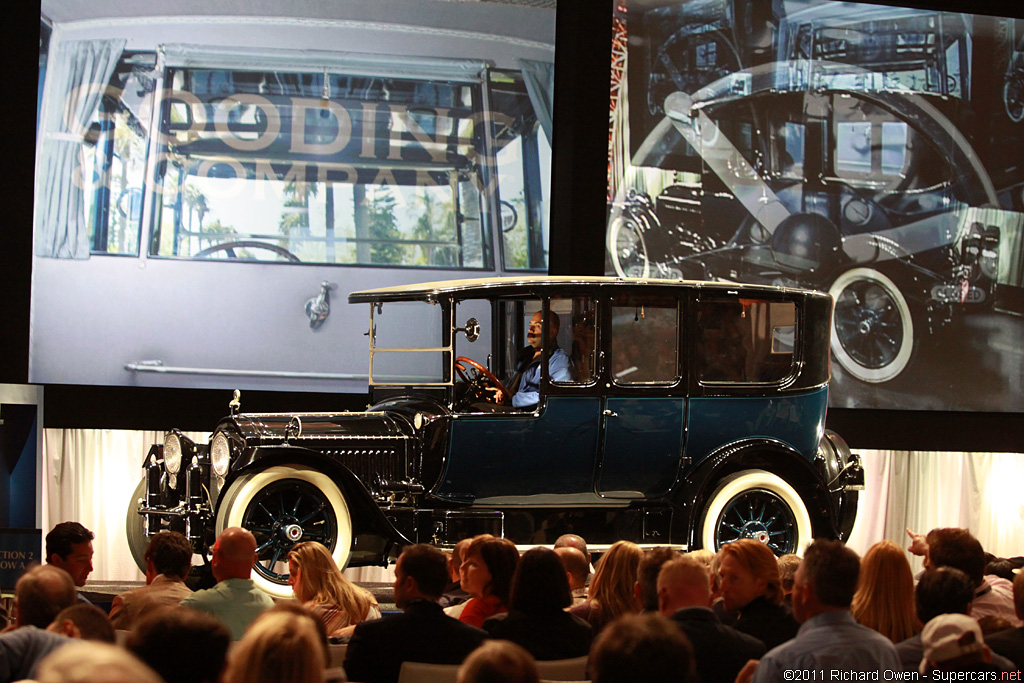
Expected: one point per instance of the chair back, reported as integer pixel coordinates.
(574, 669)
(422, 672)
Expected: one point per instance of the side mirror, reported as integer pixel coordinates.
(472, 329)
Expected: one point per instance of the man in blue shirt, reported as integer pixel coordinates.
(829, 639)
(528, 393)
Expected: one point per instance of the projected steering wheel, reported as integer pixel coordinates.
(478, 383)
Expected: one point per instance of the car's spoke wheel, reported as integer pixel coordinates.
(627, 248)
(282, 506)
(759, 505)
(134, 525)
(872, 327)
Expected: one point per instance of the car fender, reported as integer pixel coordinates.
(756, 453)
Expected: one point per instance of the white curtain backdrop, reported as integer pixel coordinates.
(89, 476)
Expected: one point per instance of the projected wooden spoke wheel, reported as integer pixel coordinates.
(478, 378)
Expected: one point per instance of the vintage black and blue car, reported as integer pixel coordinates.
(661, 412)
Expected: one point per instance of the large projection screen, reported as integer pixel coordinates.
(870, 151)
(212, 184)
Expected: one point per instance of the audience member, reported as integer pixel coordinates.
(537, 619)
(69, 547)
(577, 571)
(953, 642)
(684, 596)
(574, 541)
(235, 600)
(750, 585)
(40, 595)
(991, 624)
(941, 590)
(168, 562)
(422, 633)
(788, 565)
(829, 637)
(161, 638)
(278, 646)
(612, 591)
(952, 547)
(486, 575)
(92, 662)
(884, 599)
(87, 622)
(321, 587)
(453, 594)
(642, 647)
(646, 587)
(1010, 643)
(498, 661)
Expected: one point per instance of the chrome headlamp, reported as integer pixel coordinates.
(220, 454)
(172, 453)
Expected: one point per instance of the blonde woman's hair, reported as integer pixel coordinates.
(90, 661)
(759, 561)
(884, 600)
(322, 583)
(611, 588)
(279, 646)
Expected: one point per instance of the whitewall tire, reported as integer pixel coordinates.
(760, 505)
(282, 506)
(872, 326)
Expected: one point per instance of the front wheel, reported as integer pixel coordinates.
(759, 505)
(282, 506)
(134, 526)
(872, 327)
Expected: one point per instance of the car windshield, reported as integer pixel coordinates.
(407, 344)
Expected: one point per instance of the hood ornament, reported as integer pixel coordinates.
(236, 402)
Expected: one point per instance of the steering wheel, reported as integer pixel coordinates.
(483, 379)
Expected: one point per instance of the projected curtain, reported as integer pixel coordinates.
(540, 86)
(78, 73)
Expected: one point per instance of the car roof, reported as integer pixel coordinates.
(523, 286)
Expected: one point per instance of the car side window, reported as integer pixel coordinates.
(578, 336)
(746, 340)
(645, 339)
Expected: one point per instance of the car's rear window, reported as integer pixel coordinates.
(745, 340)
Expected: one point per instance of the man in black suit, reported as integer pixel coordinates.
(422, 633)
(684, 596)
(1010, 643)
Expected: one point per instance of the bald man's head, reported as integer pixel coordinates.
(234, 554)
(41, 593)
(576, 566)
(682, 583)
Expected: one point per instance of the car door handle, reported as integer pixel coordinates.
(610, 413)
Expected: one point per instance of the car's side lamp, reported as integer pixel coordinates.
(472, 330)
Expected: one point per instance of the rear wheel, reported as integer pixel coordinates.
(759, 505)
(872, 327)
(282, 506)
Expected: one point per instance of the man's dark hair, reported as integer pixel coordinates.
(832, 570)
(943, 590)
(63, 536)
(181, 644)
(171, 554)
(539, 584)
(92, 622)
(428, 566)
(952, 547)
(41, 593)
(641, 647)
(647, 574)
